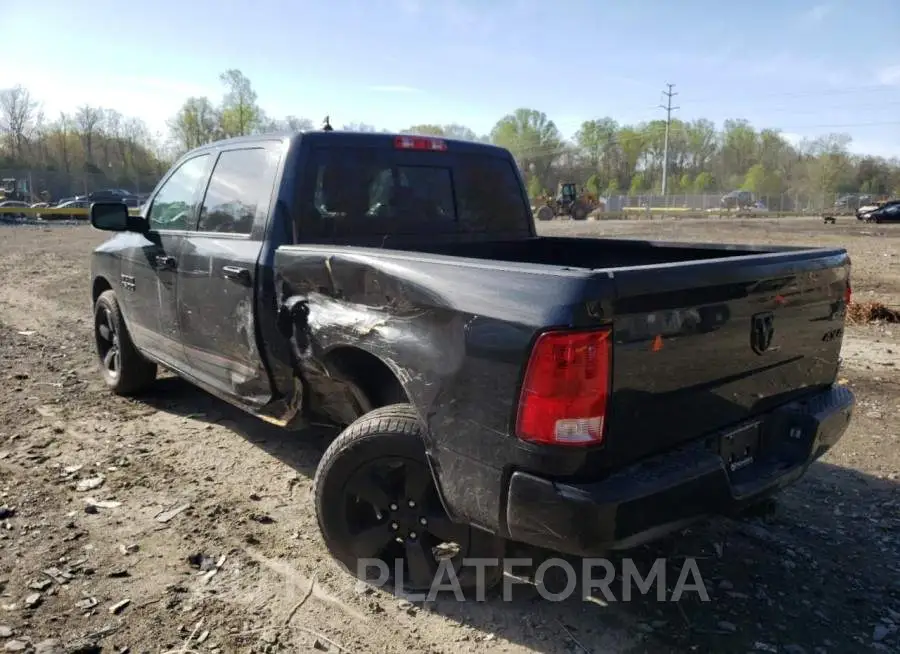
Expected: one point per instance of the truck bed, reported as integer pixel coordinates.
(566, 252)
(683, 317)
(587, 253)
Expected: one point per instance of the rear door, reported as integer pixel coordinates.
(218, 273)
(705, 345)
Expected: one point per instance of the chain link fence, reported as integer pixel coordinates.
(783, 203)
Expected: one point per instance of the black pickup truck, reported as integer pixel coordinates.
(493, 385)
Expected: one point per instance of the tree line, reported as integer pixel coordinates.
(605, 156)
(64, 151)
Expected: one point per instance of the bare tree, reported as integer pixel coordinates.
(17, 118)
(61, 134)
(88, 118)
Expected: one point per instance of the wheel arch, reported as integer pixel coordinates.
(365, 370)
(99, 286)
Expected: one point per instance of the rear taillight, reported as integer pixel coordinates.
(848, 294)
(420, 143)
(566, 388)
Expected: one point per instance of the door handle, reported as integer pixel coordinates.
(164, 261)
(240, 275)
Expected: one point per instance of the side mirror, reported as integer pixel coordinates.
(114, 217)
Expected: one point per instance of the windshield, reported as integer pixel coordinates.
(379, 191)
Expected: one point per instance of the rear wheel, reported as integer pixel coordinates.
(124, 369)
(377, 505)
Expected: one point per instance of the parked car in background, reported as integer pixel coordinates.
(111, 195)
(6, 214)
(852, 202)
(865, 210)
(73, 204)
(737, 200)
(72, 198)
(888, 212)
(12, 204)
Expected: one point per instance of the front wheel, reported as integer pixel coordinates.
(124, 369)
(378, 507)
(544, 212)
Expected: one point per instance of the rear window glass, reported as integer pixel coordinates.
(376, 191)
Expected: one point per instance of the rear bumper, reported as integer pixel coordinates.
(662, 494)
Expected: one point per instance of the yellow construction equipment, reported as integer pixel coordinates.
(568, 201)
(14, 190)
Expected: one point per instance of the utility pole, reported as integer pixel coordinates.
(669, 109)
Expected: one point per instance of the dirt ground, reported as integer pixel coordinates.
(86, 479)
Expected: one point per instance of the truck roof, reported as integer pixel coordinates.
(346, 138)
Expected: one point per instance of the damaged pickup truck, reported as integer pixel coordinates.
(493, 385)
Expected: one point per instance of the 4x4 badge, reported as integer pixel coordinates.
(762, 331)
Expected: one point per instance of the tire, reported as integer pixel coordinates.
(125, 370)
(362, 515)
(544, 213)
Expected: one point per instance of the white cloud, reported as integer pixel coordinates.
(394, 88)
(889, 75)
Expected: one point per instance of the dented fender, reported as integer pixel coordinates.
(420, 348)
(454, 335)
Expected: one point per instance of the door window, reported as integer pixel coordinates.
(238, 189)
(174, 204)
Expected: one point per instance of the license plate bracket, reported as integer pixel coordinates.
(739, 448)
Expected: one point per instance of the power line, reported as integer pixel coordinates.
(669, 108)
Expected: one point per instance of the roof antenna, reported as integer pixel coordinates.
(326, 127)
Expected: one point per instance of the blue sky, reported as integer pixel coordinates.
(807, 67)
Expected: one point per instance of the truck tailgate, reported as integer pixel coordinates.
(704, 345)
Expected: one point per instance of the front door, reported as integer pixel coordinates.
(218, 275)
(150, 270)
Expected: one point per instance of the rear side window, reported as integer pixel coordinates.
(378, 191)
(238, 189)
